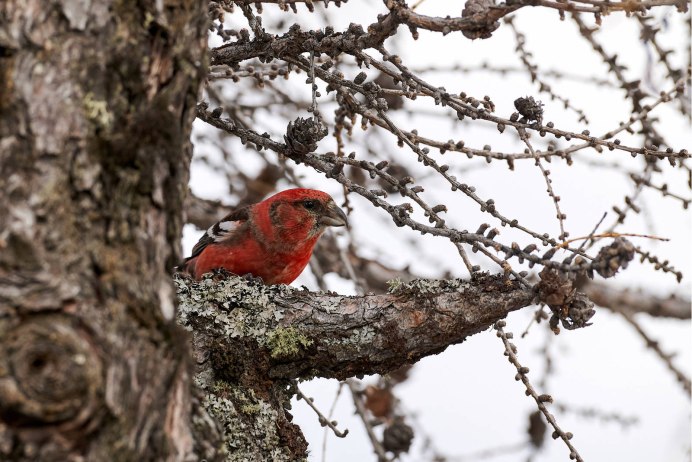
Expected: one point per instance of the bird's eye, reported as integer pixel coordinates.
(309, 204)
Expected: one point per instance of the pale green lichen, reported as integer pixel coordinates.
(237, 307)
(97, 111)
(287, 343)
(148, 19)
(245, 438)
(393, 285)
(425, 286)
(245, 400)
(250, 409)
(349, 345)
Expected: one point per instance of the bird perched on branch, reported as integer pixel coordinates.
(272, 240)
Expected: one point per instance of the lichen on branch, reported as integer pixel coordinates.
(281, 332)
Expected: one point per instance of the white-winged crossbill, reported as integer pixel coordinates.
(272, 240)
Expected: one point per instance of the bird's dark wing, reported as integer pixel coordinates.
(221, 230)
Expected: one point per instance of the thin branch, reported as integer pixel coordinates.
(541, 400)
(680, 376)
(631, 301)
(331, 413)
(324, 421)
(599, 414)
(363, 414)
(549, 186)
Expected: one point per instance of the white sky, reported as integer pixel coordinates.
(466, 399)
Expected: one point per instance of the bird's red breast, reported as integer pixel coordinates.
(272, 239)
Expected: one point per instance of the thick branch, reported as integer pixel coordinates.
(481, 16)
(292, 333)
(267, 47)
(295, 42)
(630, 301)
(250, 340)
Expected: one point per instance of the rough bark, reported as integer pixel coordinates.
(251, 340)
(96, 104)
(307, 334)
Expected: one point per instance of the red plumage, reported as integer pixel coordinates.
(272, 239)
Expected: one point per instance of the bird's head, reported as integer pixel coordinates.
(303, 213)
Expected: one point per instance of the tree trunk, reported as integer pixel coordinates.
(97, 99)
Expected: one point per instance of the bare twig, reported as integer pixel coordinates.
(324, 421)
(680, 376)
(363, 414)
(541, 400)
(329, 417)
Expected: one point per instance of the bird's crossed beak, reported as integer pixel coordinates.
(334, 216)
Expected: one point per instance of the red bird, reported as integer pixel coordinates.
(272, 239)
